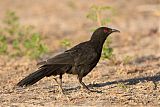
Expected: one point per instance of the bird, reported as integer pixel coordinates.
(78, 60)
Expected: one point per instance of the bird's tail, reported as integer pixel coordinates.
(35, 76)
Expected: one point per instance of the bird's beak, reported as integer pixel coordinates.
(115, 30)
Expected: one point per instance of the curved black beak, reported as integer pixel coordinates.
(115, 30)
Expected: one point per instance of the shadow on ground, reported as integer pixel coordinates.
(132, 81)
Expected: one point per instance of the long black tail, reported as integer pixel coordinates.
(35, 76)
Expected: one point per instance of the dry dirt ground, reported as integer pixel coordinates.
(134, 84)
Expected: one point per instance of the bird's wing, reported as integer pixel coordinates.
(64, 58)
(81, 54)
(84, 54)
(87, 57)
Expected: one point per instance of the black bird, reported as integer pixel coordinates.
(79, 60)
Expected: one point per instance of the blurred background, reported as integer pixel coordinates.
(33, 30)
(137, 20)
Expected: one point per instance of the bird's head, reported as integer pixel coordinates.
(102, 33)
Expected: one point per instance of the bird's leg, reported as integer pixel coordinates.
(60, 84)
(56, 80)
(82, 83)
(85, 87)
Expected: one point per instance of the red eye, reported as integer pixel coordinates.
(105, 30)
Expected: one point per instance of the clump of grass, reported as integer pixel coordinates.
(95, 15)
(71, 4)
(127, 59)
(19, 40)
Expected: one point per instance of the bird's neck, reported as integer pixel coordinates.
(98, 40)
(98, 45)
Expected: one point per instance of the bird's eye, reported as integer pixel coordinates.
(105, 30)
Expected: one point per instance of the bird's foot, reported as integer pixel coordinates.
(97, 91)
(86, 89)
(63, 93)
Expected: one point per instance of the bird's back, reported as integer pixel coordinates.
(85, 58)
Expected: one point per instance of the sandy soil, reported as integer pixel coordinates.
(134, 84)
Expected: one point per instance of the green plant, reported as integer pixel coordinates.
(95, 14)
(3, 44)
(34, 47)
(22, 40)
(122, 86)
(65, 43)
(107, 52)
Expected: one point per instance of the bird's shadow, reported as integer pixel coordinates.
(131, 81)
